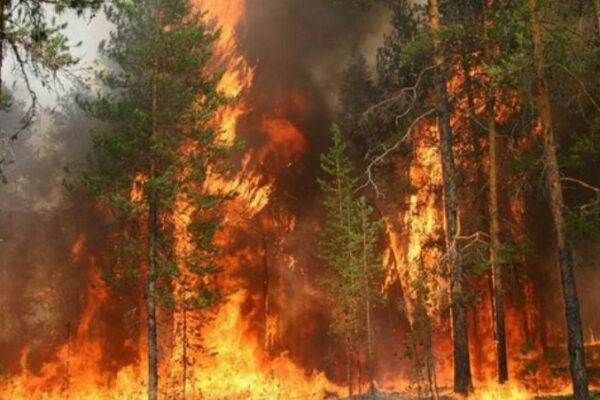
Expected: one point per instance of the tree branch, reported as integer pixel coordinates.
(29, 116)
(579, 82)
(583, 184)
(381, 157)
(402, 93)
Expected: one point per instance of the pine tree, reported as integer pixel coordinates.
(490, 52)
(554, 185)
(348, 247)
(160, 147)
(462, 369)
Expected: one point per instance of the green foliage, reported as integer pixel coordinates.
(37, 44)
(158, 143)
(585, 150)
(356, 94)
(407, 49)
(476, 257)
(348, 243)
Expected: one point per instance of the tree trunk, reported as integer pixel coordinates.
(497, 288)
(423, 323)
(152, 239)
(370, 370)
(184, 344)
(150, 301)
(576, 351)
(462, 369)
(430, 360)
(349, 367)
(497, 273)
(359, 378)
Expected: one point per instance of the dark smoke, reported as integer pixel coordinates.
(299, 49)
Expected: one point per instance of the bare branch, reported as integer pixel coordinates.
(410, 91)
(32, 111)
(387, 151)
(583, 184)
(579, 82)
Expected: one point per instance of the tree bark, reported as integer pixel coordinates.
(576, 351)
(462, 369)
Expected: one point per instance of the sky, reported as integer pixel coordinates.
(42, 152)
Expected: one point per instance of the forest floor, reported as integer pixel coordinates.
(398, 396)
(594, 396)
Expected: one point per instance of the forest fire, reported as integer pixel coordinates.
(249, 309)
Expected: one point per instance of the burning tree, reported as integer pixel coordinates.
(156, 153)
(490, 62)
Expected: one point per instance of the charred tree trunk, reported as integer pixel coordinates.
(462, 369)
(576, 351)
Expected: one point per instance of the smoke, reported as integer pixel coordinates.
(43, 286)
(299, 49)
